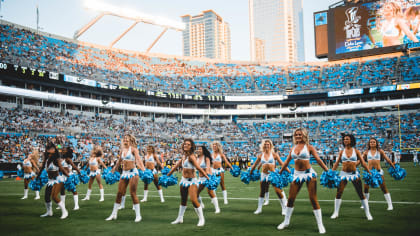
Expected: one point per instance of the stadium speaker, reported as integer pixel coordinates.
(105, 101)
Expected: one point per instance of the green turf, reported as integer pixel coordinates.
(21, 217)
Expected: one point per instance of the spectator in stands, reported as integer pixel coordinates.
(373, 155)
(393, 25)
(303, 173)
(29, 165)
(350, 158)
(52, 162)
(268, 159)
(95, 173)
(416, 158)
(129, 159)
(189, 183)
(218, 157)
(204, 160)
(68, 165)
(152, 162)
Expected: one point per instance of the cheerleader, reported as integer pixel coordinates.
(189, 183)
(218, 170)
(350, 157)
(68, 165)
(268, 163)
(29, 165)
(95, 172)
(52, 162)
(152, 161)
(373, 156)
(204, 160)
(300, 153)
(129, 158)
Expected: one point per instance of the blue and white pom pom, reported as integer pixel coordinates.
(274, 179)
(71, 183)
(44, 178)
(111, 178)
(83, 176)
(165, 171)
(148, 176)
(374, 179)
(397, 173)
(330, 179)
(235, 171)
(245, 177)
(20, 173)
(212, 182)
(256, 175)
(35, 184)
(166, 181)
(141, 173)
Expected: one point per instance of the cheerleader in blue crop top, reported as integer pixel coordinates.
(52, 162)
(29, 165)
(152, 161)
(268, 160)
(205, 161)
(95, 172)
(130, 159)
(350, 157)
(189, 183)
(217, 169)
(303, 173)
(373, 156)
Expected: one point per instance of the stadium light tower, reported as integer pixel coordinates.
(129, 14)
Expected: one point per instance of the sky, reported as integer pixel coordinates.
(65, 17)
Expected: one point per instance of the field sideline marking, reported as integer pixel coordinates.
(242, 199)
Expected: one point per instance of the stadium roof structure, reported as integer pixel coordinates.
(137, 17)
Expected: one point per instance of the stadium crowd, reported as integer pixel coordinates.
(25, 47)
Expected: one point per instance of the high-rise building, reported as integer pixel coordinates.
(276, 30)
(206, 35)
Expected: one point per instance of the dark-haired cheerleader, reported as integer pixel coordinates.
(189, 182)
(350, 157)
(52, 162)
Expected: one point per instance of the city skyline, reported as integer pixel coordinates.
(276, 31)
(206, 35)
(52, 19)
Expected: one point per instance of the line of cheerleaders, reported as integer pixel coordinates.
(59, 169)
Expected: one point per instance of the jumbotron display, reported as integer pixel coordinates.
(372, 28)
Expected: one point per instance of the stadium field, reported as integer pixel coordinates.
(21, 217)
